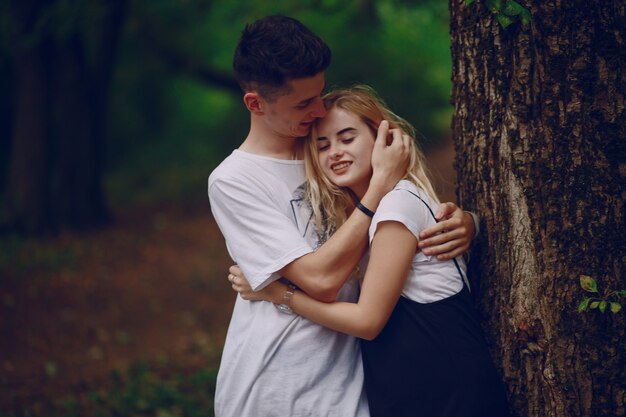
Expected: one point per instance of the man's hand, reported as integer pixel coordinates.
(451, 237)
(240, 284)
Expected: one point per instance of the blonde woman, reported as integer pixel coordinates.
(423, 349)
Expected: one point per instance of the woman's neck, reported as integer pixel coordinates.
(360, 189)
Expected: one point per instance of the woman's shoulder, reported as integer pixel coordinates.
(404, 205)
(410, 201)
(404, 187)
(407, 191)
(405, 198)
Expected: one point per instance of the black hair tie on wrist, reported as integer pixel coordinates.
(365, 210)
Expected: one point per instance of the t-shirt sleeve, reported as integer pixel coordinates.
(402, 206)
(260, 238)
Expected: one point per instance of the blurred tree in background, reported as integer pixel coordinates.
(61, 55)
(109, 103)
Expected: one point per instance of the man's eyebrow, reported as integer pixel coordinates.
(306, 100)
(341, 132)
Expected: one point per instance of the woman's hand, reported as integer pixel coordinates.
(272, 292)
(390, 157)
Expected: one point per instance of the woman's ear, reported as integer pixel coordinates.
(252, 100)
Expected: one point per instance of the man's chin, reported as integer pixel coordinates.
(305, 129)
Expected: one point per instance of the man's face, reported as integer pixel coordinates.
(293, 115)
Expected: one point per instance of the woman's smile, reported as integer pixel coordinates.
(340, 167)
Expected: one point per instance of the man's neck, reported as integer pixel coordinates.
(265, 143)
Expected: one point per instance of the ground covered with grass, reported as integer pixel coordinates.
(128, 320)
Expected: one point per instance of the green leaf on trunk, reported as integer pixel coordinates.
(513, 8)
(588, 283)
(595, 304)
(504, 20)
(615, 307)
(525, 16)
(494, 5)
(602, 306)
(584, 305)
(468, 2)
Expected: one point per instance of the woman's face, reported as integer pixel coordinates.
(345, 145)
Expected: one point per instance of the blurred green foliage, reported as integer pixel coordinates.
(16, 262)
(141, 391)
(168, 129)
(168, 126)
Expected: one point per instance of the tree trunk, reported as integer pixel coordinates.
(28, 192)
(80, 199)
(61, 96)
(539, 128)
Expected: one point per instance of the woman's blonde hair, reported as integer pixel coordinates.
(332, 204)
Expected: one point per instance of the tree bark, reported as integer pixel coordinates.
(539, 127)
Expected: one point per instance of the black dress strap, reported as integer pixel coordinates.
(458, 268)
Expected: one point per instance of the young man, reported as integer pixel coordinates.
(275, 363)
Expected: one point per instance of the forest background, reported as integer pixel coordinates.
(113, 113)
(124, 312)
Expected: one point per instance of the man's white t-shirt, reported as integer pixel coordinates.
(276, 364)
(429, 279)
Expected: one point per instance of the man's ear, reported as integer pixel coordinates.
(252, 100)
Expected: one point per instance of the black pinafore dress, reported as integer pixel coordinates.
(431, 360)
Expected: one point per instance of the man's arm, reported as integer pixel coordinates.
(451, 236)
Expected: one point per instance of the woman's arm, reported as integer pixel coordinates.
(322, 273)
(392, 251)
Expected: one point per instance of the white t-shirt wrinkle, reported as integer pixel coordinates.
(275, 364)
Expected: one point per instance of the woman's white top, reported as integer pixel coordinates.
(429, 279)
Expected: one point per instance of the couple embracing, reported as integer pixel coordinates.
(353, 300)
